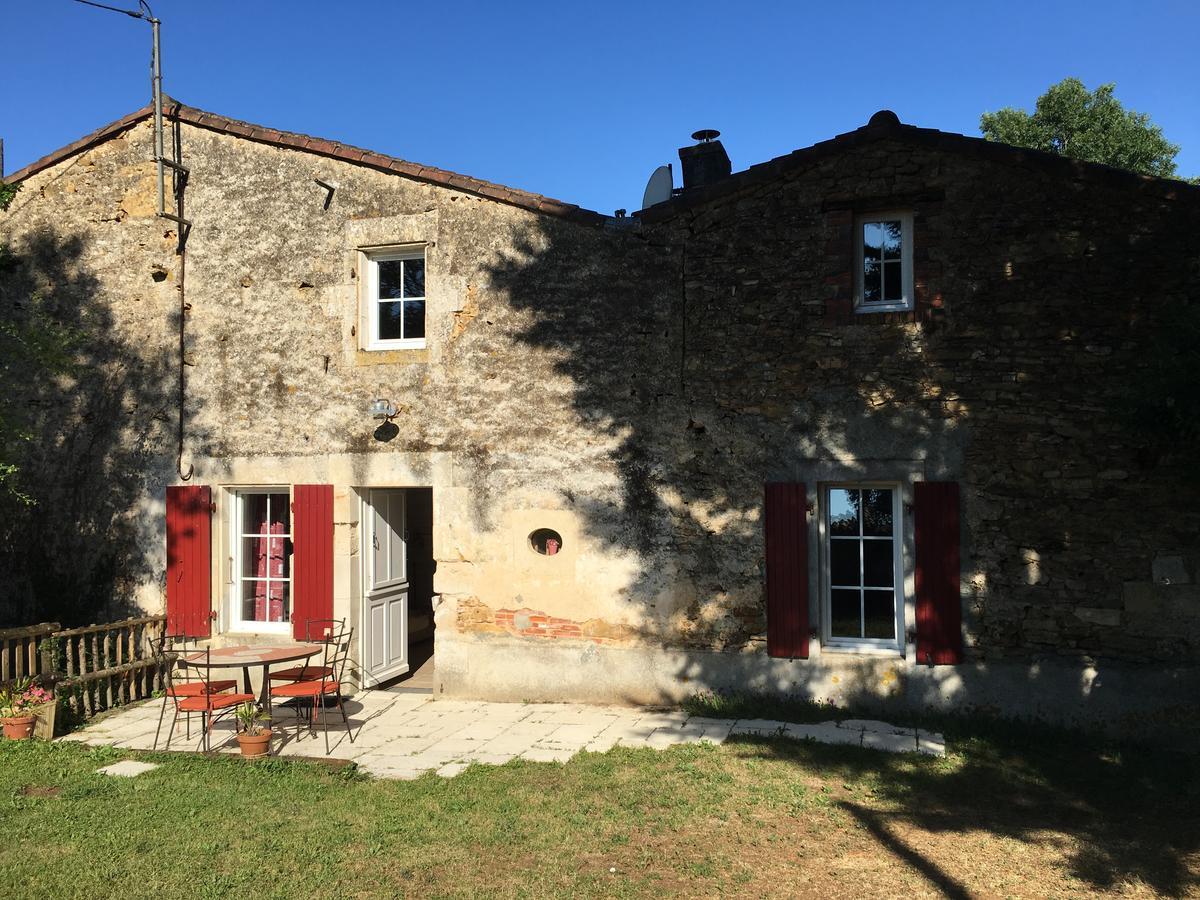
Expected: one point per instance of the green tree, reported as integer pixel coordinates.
(1088, 125)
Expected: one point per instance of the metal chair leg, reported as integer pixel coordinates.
(324, 722)
(345, 720)
(161, 714)
(171, 733)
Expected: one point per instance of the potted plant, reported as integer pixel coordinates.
(17, 708)
(253, 738)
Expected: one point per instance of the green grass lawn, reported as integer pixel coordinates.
(1007, 813)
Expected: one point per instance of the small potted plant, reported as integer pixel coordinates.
(16, 708)
(253, 738)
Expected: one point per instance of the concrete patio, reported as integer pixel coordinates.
(402, 735)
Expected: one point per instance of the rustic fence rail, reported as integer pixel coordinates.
(93, 668)
(21, 652)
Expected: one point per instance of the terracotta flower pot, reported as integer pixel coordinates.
(19, 728)
(255, 744)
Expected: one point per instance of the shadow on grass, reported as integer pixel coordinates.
(1133, 812)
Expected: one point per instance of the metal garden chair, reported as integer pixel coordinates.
(171, 645)
(210, 704)
(316, 631)
(315, 691)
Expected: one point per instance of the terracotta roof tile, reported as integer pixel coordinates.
(304, 142)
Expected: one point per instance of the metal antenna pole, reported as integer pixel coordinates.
(156, 90)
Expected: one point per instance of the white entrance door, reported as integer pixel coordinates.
(385, 586)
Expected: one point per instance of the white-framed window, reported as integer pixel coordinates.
(862, 590)
(261, 560)
(883, 274)
(395, 299)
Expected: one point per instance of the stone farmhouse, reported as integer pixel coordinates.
(851, 424)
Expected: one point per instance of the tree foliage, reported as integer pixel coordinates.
(1093, 126)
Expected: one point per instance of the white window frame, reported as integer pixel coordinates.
(371, 297)
(891, 646)
(906, 265)
(238, 625)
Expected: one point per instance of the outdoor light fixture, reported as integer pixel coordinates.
(383, 409)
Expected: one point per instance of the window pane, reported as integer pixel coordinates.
(254, 601)
(414, 278)
(391, 274)
(278, 602)
(872, 240)
(892, 289)
(278, 560)
(872, 290)
(390, 327)
(254, 557)
(843, 614)
(843, 511)
(414, 318)
(877, 512)
(879, 613)
(843, 562)
(254, 513)
(891, 240)
(878, 570)
(278, 513)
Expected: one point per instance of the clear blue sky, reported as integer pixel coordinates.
(581, 101)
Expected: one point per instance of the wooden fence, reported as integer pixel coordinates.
(21, 654)
(92, 668)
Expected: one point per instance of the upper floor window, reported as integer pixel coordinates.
(883, 266)
(396, 300)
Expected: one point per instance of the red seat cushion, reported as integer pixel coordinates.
(196, 688)
(305, 688)
(302, 673)
(206, 702)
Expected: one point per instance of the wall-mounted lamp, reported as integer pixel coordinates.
(383, 409)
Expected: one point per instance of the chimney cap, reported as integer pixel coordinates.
(883, 118)
(704, 135)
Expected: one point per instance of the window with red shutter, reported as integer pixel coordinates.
(863, 593)
(312, 515)
(786, 539)
(189, 560)
(938, 567)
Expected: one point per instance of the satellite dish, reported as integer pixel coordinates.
(659, 187)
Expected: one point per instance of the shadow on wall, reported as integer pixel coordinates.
(88, 417)
(707, 386)
(706, 363)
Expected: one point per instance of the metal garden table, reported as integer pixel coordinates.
(248, 656)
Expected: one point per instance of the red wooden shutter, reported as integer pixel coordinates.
(189, 560)
(787, 570)
(939, 600)
(312, 560)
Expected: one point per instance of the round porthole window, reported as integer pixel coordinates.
(546, 541)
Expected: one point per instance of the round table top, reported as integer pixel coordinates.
(227, 657)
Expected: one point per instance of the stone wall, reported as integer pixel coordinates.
(633, 387)
(1039, 297)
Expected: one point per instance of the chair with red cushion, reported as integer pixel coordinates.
(317, 690)
(316, 631)
(185, 686)
(211, 705)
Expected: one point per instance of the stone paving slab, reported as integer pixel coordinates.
(404, 736)
(128, 768)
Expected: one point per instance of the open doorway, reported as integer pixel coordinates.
(397, 579)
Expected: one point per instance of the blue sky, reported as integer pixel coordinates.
(581, 101)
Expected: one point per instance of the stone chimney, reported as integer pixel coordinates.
(704, 163)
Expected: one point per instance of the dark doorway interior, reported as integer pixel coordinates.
(419, 504)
